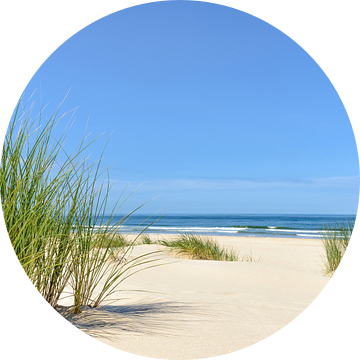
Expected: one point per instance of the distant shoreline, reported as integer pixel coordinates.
(292, 226)
(228, 238)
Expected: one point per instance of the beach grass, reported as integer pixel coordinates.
(335, 240)
(54, 202)
(199, 247)
(146, 240)
(251, 258)
(115, 245)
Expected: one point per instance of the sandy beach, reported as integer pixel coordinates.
(202, 308)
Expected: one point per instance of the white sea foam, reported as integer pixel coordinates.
(221, 230)
(294, 230)
(309, 235)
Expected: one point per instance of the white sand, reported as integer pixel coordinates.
(203, 308)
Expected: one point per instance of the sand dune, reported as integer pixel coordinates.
(203, 308)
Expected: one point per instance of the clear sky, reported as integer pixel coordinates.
(216, 110)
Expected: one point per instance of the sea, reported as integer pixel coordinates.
(289, 226)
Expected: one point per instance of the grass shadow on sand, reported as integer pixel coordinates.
(163, 318)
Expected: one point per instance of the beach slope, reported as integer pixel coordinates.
(204, 308)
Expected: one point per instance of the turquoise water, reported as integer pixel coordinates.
(300, 226)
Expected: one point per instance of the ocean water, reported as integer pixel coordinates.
(299, 226)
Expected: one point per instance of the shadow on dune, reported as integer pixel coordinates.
(145, 318)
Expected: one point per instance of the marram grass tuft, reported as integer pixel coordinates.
(51, 202)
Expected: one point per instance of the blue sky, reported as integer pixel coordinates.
(214, 109)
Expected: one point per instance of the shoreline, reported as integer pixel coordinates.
(236, 234)
(158, 236)
(203, 308)
(261, 225)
